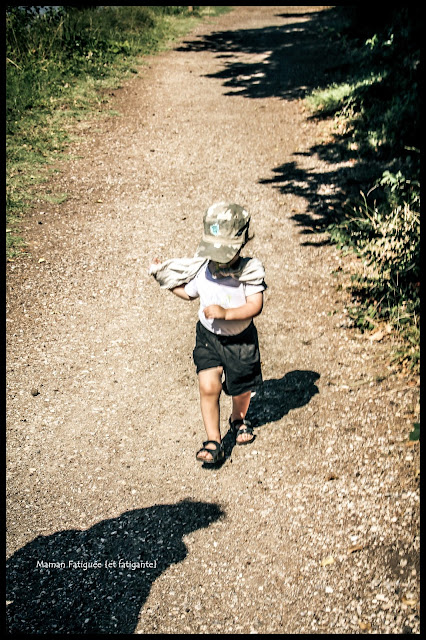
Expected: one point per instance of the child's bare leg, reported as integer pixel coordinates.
(240, 405)
(210, 385)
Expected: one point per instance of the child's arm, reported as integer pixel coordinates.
(252, 308)
(181, 293)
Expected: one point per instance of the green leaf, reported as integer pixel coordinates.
(415, 434)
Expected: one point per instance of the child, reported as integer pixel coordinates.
(230, 289)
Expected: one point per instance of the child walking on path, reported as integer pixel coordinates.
(230, 289)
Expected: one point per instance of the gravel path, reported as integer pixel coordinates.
(113, 527)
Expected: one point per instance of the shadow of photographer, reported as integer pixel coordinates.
(97, 580)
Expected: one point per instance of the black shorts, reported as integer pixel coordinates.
(238, 355)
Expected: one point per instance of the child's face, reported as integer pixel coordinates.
(225, 265)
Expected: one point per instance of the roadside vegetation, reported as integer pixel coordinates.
(375, 103)
(62, 64)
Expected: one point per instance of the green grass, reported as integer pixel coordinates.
(338, 98)
(60, 68)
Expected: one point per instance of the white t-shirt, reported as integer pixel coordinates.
(227, 292)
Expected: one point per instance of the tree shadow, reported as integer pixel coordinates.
(327, 192)
(288, 62)
(292, 57)
(105, 596)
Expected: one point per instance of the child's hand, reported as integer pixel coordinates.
(215, 311)
(152, 269)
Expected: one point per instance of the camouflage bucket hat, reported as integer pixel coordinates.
(226, 230)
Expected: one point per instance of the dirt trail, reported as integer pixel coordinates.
(314, 527)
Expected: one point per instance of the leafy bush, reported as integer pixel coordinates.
(378, 105)
(388, 243)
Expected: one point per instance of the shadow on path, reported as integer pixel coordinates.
(291, 57)
(74, 597)
(288, 62)
(325, 192)
(274, 399)
(277, 397)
